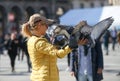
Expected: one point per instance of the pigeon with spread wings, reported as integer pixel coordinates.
(81, 30)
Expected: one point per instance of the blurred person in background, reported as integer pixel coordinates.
(25, 52)
(22, 50)
(43, 54)
(114, 37)
(12, 47)
(20, 38)
(106, 38)
(118, 39)
(87, 63)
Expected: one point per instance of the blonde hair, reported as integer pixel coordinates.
(26, 30)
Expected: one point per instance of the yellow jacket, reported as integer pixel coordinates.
(44, 56)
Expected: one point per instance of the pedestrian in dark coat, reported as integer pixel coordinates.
(96, 60)
(106, 38)
(12, 48)
(25, 50)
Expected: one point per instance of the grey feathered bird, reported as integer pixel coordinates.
(83, 30)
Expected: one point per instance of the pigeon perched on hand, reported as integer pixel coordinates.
(83, 30)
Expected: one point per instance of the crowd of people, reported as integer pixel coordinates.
(85, 63)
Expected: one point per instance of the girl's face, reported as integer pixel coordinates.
(42, 27)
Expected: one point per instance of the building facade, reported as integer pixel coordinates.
(89, 3)
(114, 2)
(15, 12)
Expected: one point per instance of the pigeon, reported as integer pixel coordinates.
(83, 30)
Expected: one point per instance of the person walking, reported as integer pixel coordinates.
(43, 54)
(114, 37)
(106, 38)
(12, 47)
(87, 63)
(25, 52)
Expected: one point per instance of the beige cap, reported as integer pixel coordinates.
(37, 17)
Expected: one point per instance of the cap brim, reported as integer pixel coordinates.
(50, 21)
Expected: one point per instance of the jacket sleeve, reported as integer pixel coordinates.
(72, 59)
(99, 52)
(46, 48)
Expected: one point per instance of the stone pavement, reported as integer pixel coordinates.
(111, 68)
